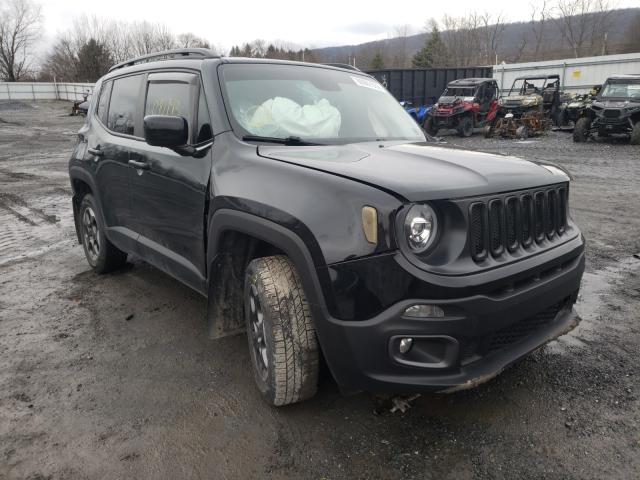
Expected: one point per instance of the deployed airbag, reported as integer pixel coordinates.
(282, 117)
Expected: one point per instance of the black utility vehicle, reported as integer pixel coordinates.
(307, 206)
(615, 110)
(465, 104)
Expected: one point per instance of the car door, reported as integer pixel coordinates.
(169, 191)
(116, 127)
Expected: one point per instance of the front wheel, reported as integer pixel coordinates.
(101, 254)
(581, 130)
(430, 126)
(465, 127)
(635, 134)
(282, 340)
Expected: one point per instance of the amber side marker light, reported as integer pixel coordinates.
(370, 224)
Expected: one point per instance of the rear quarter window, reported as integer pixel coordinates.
(103, 102)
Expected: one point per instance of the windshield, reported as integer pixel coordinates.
(621, 89)
(530, 86)
(317, 105)
(459, 92)
(451, 93)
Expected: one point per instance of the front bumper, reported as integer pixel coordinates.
(479, 336)
(446, 120)
(615, 125)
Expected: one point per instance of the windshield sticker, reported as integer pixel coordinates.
(367, 83)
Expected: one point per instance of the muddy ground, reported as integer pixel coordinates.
(114, 376)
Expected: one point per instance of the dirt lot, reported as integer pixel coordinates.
(114, 376)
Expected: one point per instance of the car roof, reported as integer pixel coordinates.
(630, 76)
(538, 77)
(469, 82)
(193, 58)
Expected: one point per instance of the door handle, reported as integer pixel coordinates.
(96, 152)
(139, 165)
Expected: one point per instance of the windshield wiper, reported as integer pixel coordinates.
(290, 140)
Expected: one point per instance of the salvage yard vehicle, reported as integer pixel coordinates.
(80, 107)
(616, 110)
(466, 104)
(528, 107)
(417, 113)
(323, 232)
(576, 107)
(532, 93)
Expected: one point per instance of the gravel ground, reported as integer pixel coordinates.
(114, 376)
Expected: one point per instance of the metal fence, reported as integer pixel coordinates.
(424, 86)
(577, 75)
(44, 91)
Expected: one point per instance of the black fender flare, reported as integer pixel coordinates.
(226, 320)
(79, 173)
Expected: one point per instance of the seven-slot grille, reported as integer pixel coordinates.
(516, 220)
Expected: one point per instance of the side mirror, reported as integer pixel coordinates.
(166, 131)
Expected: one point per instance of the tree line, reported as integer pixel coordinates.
(583, 27)
(86, 50)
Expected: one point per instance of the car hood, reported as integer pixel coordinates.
(520, 98)
(616, 103)
(420, 171)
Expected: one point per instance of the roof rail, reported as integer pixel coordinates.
(343, 65)
(194, 53)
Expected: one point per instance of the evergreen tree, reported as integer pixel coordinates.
(94, 61)
(434, 52)
(377, 63)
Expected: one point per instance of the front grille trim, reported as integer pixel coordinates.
(509, 223)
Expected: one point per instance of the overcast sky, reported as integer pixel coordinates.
(303, 22)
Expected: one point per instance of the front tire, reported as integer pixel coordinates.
(430, 127)
(581, 130)
(101, 254)
(635, 134)
(282, 341)
(465, 127)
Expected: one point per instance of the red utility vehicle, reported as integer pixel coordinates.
(466, 104)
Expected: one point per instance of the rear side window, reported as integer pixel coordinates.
(123, 109)
(103, 102)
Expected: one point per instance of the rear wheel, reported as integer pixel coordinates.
(635, 134)
(282, 340)
(487, 131)
(465, 126)
(101, 254)
(581, 130)
(430, 126)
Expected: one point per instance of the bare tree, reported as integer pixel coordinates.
(462, 35)
(189, 40)
(492, 31)
(540, 15)
(633, 44)
(20, 25)
(401, 60)
(584, 23)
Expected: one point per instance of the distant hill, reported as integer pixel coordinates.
(517, 44)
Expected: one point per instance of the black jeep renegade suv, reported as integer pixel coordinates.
(306, 205)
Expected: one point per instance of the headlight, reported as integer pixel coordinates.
(420, 228)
